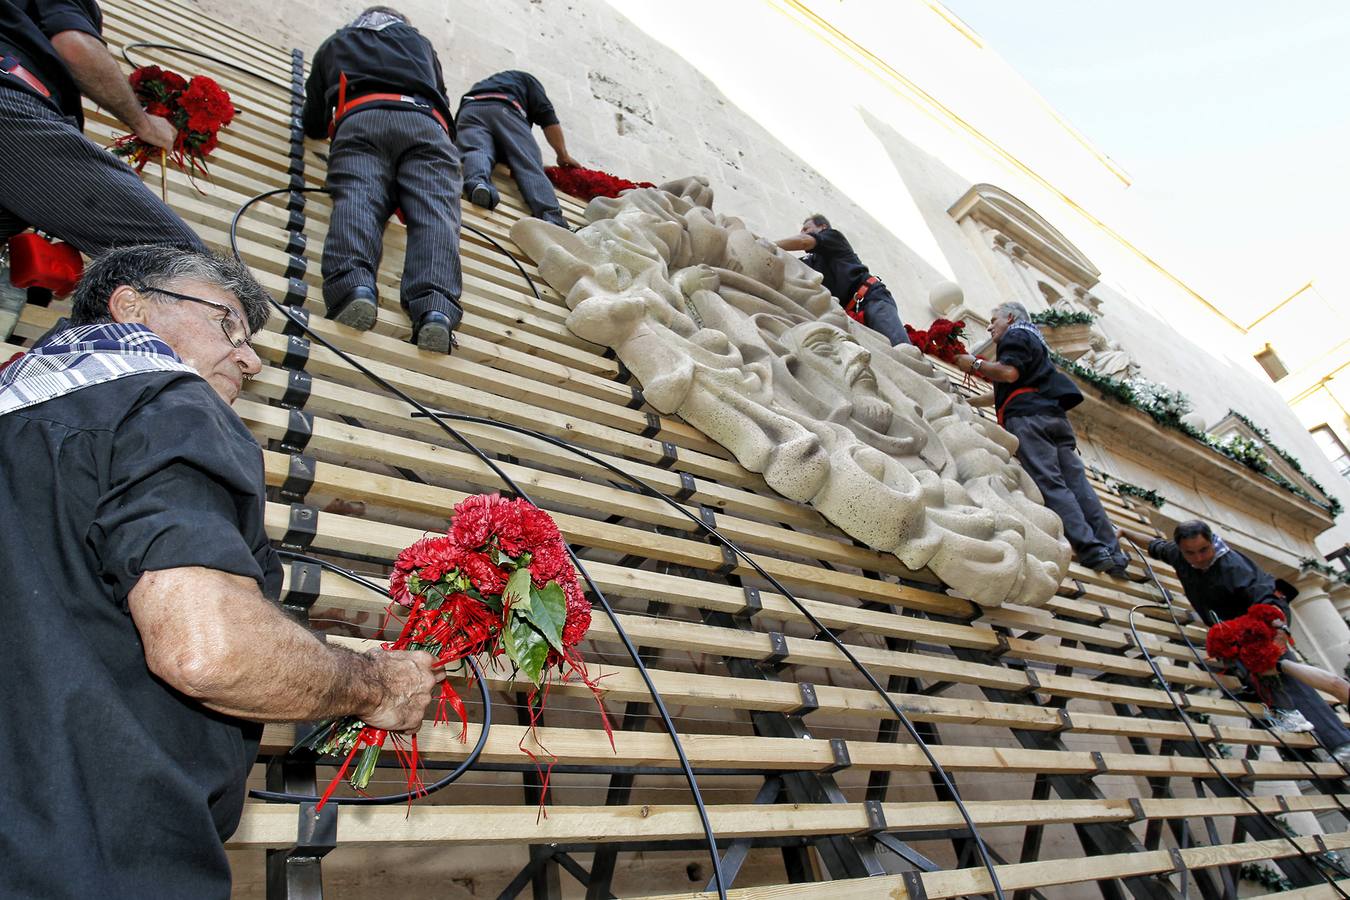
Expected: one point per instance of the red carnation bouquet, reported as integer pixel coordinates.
(198, 109)
(1249, 639)
(587, 184)
(942, 339)
(499, 583)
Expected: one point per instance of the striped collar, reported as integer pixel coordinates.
(82, 356)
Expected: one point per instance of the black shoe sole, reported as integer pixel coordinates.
(360, 314)
(481, 195)
(434, 338)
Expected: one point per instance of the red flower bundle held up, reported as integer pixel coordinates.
(588, 184)
(1249, 639)
(198, 109)
(942, 339)
(499, 583)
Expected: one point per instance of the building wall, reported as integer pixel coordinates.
(878, 113)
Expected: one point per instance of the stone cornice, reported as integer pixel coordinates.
(1128, 432)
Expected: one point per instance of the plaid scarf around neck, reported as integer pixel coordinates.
(82, 356)
(1031, 328)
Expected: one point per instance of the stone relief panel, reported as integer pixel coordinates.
(742, 342)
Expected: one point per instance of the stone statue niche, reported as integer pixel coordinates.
(742, 342)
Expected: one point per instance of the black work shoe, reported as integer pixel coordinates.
(358, 310)
(484, 195)
(433, 333)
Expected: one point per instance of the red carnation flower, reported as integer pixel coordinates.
(537, 528)
(473, 520)
(505, 523)
(486, 577)
(578, 614)
(549, 562)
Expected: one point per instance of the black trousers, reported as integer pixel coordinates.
(382, 160)
(54, 178)
(1048, 450)
(488, 131)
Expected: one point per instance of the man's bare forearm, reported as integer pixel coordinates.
(797, 242)
(98, 76)
(233, 650)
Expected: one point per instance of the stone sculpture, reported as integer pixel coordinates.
(741, 341)
(1108, 358)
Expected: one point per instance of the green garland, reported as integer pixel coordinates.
(1236, 447)
(1126, 489)
(1284, 455)
(1308, 564)
(1267, 878)
(1055, 318)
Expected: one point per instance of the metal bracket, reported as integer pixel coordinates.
(1065, 722)
(1003, 646)
(653, 426)
(669, 456)
(299, 429)
(839, 750)
(1033, 682)
(300, 530)
(1282, 802)
(914, 885)
(876, 816)
(303, 589)
(687, 487)
(1078, 589)
(809, 702)
(292, 327)
(1100, 762)
(297, 352)
(637, 399)
(296, 290)
(1106, 616)
(299, 478)
(316, 833)
(298, 387)
(752, 606)
(1178, 861)
(1137, 810)
(624, 375)
(296, 243)
(778, 650)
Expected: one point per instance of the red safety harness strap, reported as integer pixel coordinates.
(854, 307)
(11, 66)
(345, 106)
(507, 97)
(1017, 393)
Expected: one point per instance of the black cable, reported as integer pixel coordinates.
(141, 45)
(514, 487)
(1200, 745)
(407, 796)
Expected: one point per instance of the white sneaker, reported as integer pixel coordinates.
(1293, 721)
(1342, 754)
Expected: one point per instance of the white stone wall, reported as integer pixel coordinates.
(786, 120)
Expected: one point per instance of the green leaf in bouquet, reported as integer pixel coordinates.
(547, 611)
(526, 646)
(517, 590)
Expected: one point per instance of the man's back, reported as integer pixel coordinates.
(833, 257)
(525, 90)
(393, 59)
(130, 782)
(26, 27)
(1230, 584)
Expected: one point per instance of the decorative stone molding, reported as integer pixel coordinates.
(741, 341)
(1017, 223)
(1316, 620)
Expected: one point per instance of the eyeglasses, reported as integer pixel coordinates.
(236, 332)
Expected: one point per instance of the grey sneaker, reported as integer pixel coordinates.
(484, 195)
(1294, 722)
(1342, 754)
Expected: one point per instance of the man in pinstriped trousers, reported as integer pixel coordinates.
(376, 89)
(51, 176)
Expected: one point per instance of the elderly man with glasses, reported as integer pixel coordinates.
(143, 652)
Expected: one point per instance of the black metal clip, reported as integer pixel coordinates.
(302, 590)
(809, 702)
(839, 750)
(301, 528)
(299, 478)
(298, 387)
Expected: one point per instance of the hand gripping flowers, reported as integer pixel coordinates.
(498, 583)
(197, 109)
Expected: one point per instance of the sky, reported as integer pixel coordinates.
(1232, 120)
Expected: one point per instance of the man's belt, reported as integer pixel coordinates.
(1003, 407)
(469, 98)
(345, 106)
(11, 66)
(854, 307)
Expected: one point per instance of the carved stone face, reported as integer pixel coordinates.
(829, 355)
(741, 341)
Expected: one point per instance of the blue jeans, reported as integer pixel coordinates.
(881, 315)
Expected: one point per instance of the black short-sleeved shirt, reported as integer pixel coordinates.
(1226, 589)
(525, 89)
(26, 29)
(1052, 393)
(114, 784)
(395, 59)
(834, 258)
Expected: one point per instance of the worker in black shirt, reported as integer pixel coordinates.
(375, 89)
(863, 295)
(1031, 397)
(1221, 583)
(495, 120)
(51, 176)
